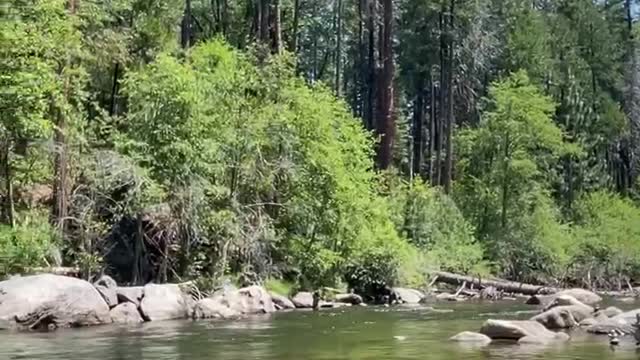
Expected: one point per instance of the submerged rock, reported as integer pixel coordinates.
(532, 331)
(126, 313)
(468, 336)
(165, 302)
(281, 302)
(564, 312)
(50, 301)
(622, 323)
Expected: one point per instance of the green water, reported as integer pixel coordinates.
(353, 333)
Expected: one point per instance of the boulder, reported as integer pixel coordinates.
(281, 302)
(623, 322)
(468, 336)
(164, 302)
(407, 296)
(611, 311)
(245, 301)
(303, 300)
(50, 301)
(352, 299)
(132, 294)
(106, 286)
(213, 308)
(532, 331)
(584, 296)
(126, 313)
(564, 317)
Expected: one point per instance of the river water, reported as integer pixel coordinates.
(349, 333)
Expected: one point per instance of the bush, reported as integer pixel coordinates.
(30, 244)
(606, 251)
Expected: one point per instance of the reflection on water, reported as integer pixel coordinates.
(355, 333)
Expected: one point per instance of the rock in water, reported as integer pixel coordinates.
(531, 331)
(622, 323)
(407, 296)
(303, 300)
(468, 336)
(126, 313)
(132, 294)
(164, 302)
(245, 301)
(564, 316)
(584, 296)
(281, 301)
(44, 301)
(352, 299)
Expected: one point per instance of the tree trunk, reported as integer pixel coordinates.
(293, 46)
(5, 164)
(432, 131)
(500, 285)
(264, 21)
(386, 124)
(277, 28)
(450, 121)
(441, 105)
(371, 66)
(338, 44)
(418, 121)
(185, 37)
(505, 183)
(114, 91)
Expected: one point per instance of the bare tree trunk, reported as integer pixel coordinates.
(371, 66)
(114, 90)
(277, 28)
(264, 21)
(185, 35)
(5, 163)
(418, 121)
(386, 124)
(338, 44)
(441, 94)
(450, 121)
(293, 46)
(432, 131)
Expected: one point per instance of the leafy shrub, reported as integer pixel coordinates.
(30, 244)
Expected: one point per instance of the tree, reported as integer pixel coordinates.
(386, 122)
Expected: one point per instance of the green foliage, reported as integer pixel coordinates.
(606, 249)
(280, 287)
(30, 244)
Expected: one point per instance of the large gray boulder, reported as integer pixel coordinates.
(51, 301)
(623, 322)
(132, 294)
(245, 301)
(353, 299)
(281, 302)
(106, 286)
(126, 313)
(407, 296)
(165, 302)
(564, 317)
(303, 300)
(520, 330)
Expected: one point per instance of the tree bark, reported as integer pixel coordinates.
(432, 131)
(114, 90)
(500, 285)
(185, 36)
(441, 94)
(338, 45)
(293, 46)
(8, 210)
(386, 126)
(277, 28)
(418, 121)
(371, 66)
(448, 172)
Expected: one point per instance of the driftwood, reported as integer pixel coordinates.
(500, 285)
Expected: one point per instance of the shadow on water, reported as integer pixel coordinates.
(353, 333)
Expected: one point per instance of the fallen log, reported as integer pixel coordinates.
(59, 270)
(500, 285)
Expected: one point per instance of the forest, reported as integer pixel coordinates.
(309, 143)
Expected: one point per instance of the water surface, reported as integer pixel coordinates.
(350, 333)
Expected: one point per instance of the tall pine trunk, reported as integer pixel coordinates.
(338, 45)
(418, 121)
(371, 66)
(276, 28)
(185, 34)
(448, 169)
(386, 125)
(293, 46)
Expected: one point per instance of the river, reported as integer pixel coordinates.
(350, 333)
